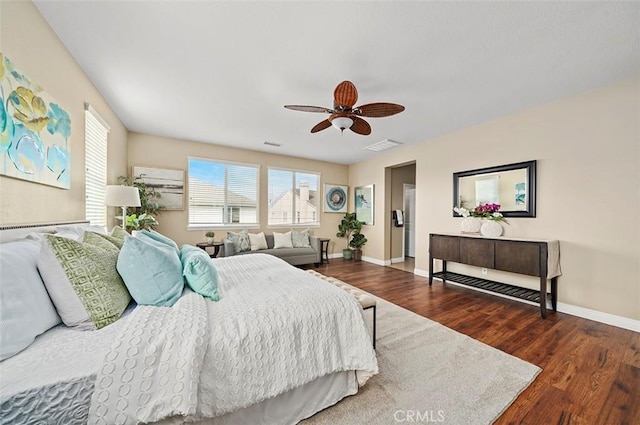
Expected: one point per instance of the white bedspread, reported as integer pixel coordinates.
(275, 328)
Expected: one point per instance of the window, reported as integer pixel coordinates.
(95, 159)
(222, 193)
(293, 198)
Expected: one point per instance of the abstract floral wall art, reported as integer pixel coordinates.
(34, 131)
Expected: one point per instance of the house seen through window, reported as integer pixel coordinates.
(293, 197)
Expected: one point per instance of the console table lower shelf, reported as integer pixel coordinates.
(492, 286)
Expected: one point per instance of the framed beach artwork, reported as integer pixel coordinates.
(364, 200)
(34, 131)
(166, 181)
(335, 198)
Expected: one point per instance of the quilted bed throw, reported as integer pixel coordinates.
(151, 371)
(274, 329)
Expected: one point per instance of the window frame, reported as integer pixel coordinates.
(227, 212)
(292, 212)
(95, 185)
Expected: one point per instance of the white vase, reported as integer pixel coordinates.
(470, 225)
(210, 240)
(491, 229)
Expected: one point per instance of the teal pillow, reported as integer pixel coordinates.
(158, 237)
(199, 271)
(152, 272)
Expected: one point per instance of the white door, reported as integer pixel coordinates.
(409, 213)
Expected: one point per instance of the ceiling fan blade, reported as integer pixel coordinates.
(345, 94)
(379, 110)
(321, 126)
(360, 126)
(305, 108)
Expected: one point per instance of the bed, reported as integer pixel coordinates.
(279, 346)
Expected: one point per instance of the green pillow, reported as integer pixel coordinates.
(199, 271)
(106, 241)
(82, 280)
(240, 240)
(119, 233)
(151, 270)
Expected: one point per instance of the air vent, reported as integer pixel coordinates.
(277, 145)
(383, 145)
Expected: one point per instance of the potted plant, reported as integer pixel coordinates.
(144, 216)
(358, 240)
(345, 229)
(210, 235)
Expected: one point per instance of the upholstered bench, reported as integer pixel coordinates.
(366, 301)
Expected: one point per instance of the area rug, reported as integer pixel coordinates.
(431, 374)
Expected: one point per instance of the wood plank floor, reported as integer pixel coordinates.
(591, 371)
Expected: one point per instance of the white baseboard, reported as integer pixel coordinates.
(397, 260)
(599, 316)
(420, 272)
(376, 261)
(335, 255)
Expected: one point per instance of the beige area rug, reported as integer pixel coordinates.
(431, 374)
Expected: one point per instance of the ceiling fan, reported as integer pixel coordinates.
(344, 115)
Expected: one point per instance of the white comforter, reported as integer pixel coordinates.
(275, 328)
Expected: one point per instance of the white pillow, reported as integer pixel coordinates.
(258, 241)
(26, 310)
(282, 240)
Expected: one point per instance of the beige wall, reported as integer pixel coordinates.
(171, 153)
(588, 153)
(33, 47)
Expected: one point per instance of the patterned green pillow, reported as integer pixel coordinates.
(240, 240)
(300, 239)
(82, 280)
(102, 240)
(119, 233)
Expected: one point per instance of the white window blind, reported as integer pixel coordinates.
(96, 134)
(293, 198)
(222, 193)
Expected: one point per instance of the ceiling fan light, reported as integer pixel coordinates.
(342, 122)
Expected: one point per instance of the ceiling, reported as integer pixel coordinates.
(221, 71)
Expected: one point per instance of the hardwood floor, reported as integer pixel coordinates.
(591, 371)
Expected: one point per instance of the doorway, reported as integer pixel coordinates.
(401, 196)
(409, 203)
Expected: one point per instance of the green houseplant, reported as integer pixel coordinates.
(210, 235)
(144, 216)
(358, 240)
(345, 228)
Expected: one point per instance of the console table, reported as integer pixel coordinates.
(522, 256)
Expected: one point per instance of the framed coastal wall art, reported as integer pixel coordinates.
(335, 198)
(34, 131)
(168, 182)
(364, 202)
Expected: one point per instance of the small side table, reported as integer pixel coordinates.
(216, 247)
(324, 250)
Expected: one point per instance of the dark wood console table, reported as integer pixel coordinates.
(527, 257)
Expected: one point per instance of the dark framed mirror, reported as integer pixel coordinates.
(513, 186)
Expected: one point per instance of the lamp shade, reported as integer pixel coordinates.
(342, 122)
(122, 196)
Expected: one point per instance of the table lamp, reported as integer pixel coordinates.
(122, 196)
